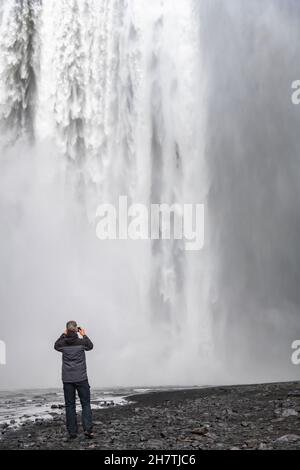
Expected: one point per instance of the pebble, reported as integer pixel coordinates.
(189, 420)
(288, 438)
(289, 412)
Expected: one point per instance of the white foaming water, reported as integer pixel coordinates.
(27, 406)
(101, 99)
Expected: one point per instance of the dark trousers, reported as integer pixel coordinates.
(83, 390)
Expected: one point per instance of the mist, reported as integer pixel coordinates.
(252, 154)
(187, 103)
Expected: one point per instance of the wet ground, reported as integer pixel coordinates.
(235, 417)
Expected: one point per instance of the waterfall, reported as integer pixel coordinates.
(99, 96)
(160, 101)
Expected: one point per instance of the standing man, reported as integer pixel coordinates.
(74, 377)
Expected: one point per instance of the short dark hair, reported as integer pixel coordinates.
(71, 325)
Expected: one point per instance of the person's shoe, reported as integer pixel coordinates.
(89, 434)
(72, 436)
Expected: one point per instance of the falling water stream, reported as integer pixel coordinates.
(99, 98)
(148, 99)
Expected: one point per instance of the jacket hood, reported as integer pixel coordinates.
(71, 337)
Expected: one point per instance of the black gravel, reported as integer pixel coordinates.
(262, 417)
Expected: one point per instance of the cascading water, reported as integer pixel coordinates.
(165, 102)
(99, 98)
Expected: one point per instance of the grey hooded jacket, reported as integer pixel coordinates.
(73, 356)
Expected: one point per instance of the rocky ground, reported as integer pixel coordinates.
(240, 417)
